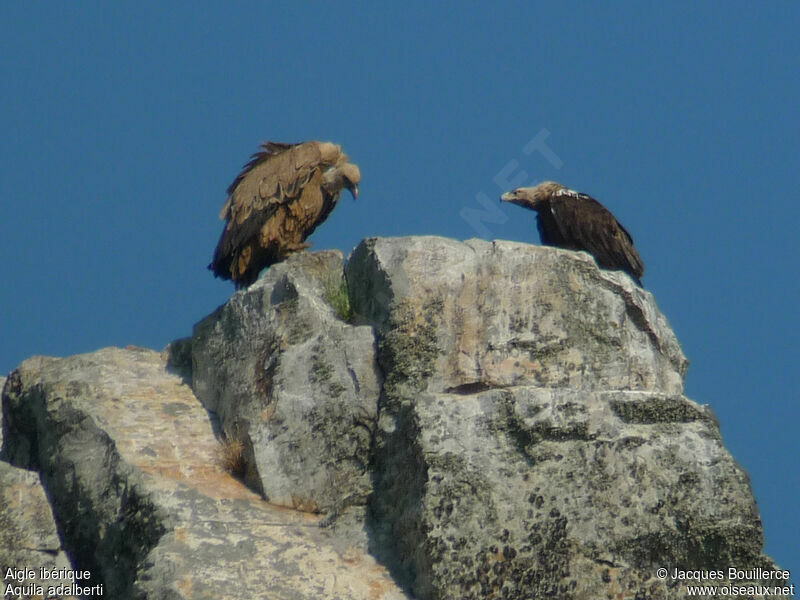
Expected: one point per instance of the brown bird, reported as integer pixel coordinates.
(576, 221)
(276, 202)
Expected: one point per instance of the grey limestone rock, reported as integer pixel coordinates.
(533, 441)
(493, 420)
(493, 314)
(129, 460)
(29, 541)
(297, 384)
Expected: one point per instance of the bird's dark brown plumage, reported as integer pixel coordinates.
(278, 199)
(576, 221)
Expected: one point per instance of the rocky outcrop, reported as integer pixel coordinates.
(485, 420)
(131, 464)
(295, 383)
(533, 440)
(28, 538)
(29, 543)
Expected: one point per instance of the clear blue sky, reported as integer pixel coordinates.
(123, 123)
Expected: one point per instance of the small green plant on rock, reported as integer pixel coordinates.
(336, 295)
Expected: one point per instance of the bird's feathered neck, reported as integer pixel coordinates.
(545, 190)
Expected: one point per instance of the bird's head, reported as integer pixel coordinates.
(531, 197)
(351, 176)
(342, 175)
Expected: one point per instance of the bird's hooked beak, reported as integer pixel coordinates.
(509, 196)
(354, 190)
(519, 197)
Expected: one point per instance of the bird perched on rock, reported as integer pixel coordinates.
(576, 221)
(276, 202)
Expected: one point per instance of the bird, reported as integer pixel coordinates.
(277, 200)
(576, 221)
